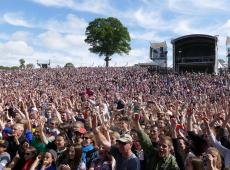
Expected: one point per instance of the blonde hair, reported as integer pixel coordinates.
(19, 126)
(217, 154)
(167, 139)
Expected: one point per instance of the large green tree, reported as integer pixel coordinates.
(107, 36)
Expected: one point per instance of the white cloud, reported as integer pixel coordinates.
(58, 3)
(52, 40)
(136, 55)
(12, 51)
(72, 24)
(20, 36)
(198, 7)
(225, 28)
(184, 26)
(148, 36)
(147, 19)
(75, 40)
(92, 6)
(16, 47)
(57, 41)
(138, 52)
(16, 19)
(210, 4)
(69, 46)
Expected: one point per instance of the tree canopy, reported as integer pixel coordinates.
(107, 36)
(69, 65)
(22, 63)
(30, 65)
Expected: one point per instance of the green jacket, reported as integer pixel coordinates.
(153, 161)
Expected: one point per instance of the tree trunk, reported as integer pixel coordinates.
(107, 63)
(107, 59)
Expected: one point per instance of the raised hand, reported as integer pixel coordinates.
(2, 123)
(41, 125)
(190, 111)
(136, 117)
(94, 121)
(64, 167)
(39, 157)
(173, 123)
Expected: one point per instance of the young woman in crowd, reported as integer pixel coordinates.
(46, 162)
(73, 161)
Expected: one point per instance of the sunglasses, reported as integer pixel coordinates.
(122, 143)
(85, 137)
(28, 153)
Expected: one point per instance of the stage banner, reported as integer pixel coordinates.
(158, 53)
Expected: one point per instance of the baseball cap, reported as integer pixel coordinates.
(7, 130)
(34, 109)
(126, 138)
(81, 130)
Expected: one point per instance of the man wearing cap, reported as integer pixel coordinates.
(125, 158)
(4, 156)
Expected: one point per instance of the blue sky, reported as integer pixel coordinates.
(55, 29)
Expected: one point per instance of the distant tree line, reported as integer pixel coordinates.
(22, 65)
(9, 68)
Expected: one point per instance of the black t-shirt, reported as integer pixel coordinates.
(120, 104)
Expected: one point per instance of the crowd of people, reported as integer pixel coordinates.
(123, 118)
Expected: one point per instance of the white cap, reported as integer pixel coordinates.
(34, 109)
